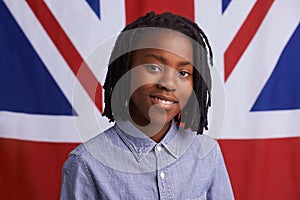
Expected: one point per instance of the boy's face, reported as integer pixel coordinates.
(161, 79)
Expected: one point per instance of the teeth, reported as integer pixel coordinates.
(164, 101)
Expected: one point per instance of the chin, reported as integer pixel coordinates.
(160, 120)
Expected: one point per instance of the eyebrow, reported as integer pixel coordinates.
(164, 61)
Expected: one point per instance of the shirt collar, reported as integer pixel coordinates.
(140, 144)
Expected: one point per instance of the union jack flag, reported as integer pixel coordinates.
(52, 65)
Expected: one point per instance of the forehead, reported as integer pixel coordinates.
(171, 41)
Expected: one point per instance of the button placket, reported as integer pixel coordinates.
(162, 172)
(162, 175)
(158, 148)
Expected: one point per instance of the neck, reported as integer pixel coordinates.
(155, 131)
(159, 136)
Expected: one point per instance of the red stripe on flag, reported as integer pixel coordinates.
(245, 34)
(263, 168)
(137, 8)
(68, 51)
(32, 170)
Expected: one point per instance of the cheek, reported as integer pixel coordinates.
(187, 95)
(184, 94)
(137, 96)
(186, 85)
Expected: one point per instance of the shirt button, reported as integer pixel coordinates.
(158, 148)
(162, 175)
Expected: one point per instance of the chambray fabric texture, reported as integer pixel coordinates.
(121, 163)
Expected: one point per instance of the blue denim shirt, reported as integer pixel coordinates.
(122, 163)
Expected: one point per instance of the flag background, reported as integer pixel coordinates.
(44, 43)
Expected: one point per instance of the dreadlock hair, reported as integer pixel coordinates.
(119, 64)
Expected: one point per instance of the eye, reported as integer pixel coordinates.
(153, 68)
(184, 74)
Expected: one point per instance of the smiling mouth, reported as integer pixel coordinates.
(163, 101)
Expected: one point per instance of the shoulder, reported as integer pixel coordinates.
(197, 145)
(206, 146)
(203, 138)
(94, 144)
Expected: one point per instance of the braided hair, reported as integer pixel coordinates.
(120, 63)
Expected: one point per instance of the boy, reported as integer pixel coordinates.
(157, 90)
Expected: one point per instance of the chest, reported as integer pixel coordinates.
(186, 178)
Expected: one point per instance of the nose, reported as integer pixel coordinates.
(167, 80)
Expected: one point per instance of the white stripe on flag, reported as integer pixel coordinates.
(89, 120)
(44, 128)
(85, 30)
(253, 69)
(251, 74)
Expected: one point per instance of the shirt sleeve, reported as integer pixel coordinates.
(76, 180)
(220, 187)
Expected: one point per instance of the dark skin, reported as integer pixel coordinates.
(162, 82)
